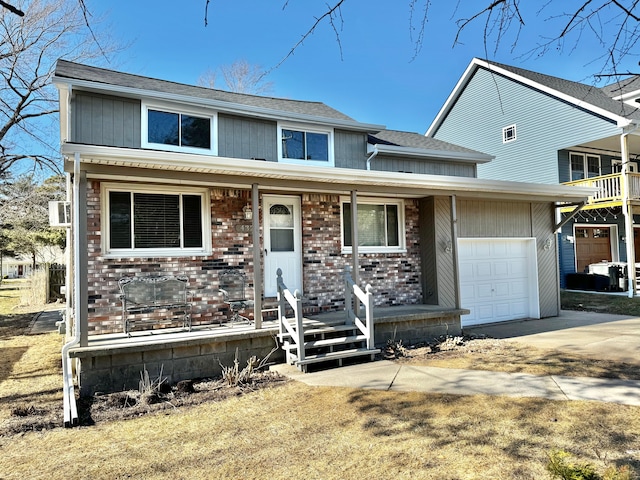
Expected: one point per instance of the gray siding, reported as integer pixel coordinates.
(492, 219)
(428, 251)
(350, 149)
(544, 125)
(422, 166)
(444, 261)
(105, 120)
(241, 137)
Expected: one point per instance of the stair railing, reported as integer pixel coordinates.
(290, 327)
(358, 302)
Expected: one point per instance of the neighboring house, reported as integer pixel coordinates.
(21, 266)
(546, 129)
(171, 179)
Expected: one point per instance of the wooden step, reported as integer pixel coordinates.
(327, 342)
(328, 356)
(321, 330)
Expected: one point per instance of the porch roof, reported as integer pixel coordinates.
(153, 166)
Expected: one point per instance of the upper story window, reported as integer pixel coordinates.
(616, 166)
(305, 146)
(584, 165)
(380, 225)
(144, 221)
(180, 131)
(509, 134)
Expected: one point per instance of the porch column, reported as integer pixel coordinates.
(81, 294)
(454, 250)
(257, 268)
(627, 211)
(355, 264)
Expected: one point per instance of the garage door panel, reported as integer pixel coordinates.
(498, 279)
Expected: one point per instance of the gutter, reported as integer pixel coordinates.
(373, 155)
(69, 397)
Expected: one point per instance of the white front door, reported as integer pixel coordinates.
(282, 243)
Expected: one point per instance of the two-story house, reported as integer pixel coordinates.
(176, 180)
(542, 128)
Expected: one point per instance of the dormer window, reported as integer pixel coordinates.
(177, 130)
(305, 146)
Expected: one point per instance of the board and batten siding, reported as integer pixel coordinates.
(350, 149)
(423, 166)
(499, 219)
(544, 125)
(240, 137)
(105, 120)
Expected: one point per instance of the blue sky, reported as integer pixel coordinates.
(375, 78)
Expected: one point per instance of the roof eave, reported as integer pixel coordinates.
(220, 105)
(465, 157)
(251, 169)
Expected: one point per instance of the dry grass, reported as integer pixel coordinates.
(513, 357)
(287, 432)
(297, 431)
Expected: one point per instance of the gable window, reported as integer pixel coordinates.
(509, 134)
(305, 146)
(181, 131)
(583, 165)
(380, 226)
(141, 221)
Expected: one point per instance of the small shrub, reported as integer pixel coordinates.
(146, 386)
(559, 466)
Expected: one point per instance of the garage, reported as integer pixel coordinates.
(498, 279)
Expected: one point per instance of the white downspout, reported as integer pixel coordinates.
(627, 212)
(372, 156)
(69, 398)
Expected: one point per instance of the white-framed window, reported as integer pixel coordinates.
(380, 225)
(584, 165)
(305, 146)
(166, 127)
(142, 220)
(616, 166)
(509, 134)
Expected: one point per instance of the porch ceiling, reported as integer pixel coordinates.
(612, 144)
(147, 165)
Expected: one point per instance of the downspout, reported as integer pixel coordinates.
(372, 156)
(69, 398)
(627, 211)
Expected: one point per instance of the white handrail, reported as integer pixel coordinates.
(293, 329)
(364, 298)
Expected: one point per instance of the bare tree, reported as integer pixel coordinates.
(613, 24)
(239, 77)
(29, 48)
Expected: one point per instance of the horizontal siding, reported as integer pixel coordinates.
(422, 166)
(241, 137)
(482, 218)
(105, 120)
(544, 125)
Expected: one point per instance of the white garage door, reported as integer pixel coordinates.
(498, 279)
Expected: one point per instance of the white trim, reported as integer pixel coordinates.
(108, 252)
(633, 166)
(330, 162)
(509, 138)
(178, 109)
(585, 165)
(219, 105)
(476, 63)
(407, 183)
(402, 230)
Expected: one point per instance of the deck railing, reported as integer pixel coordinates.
(610, 187)
(290, 327)
(359, 306)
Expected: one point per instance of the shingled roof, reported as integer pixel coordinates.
(418, 141)
(76, 71)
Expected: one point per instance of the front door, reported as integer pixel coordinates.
(282, 242)
(593, 245)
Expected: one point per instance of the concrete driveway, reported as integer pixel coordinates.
(598, 335)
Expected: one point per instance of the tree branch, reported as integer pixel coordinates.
(12, 9)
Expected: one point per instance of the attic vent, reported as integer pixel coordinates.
(509, 134)
(60, 214)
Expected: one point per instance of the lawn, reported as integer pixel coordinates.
(297, 431)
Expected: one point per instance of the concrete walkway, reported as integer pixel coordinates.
(604, 336)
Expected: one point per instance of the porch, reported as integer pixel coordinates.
(113, 362)
(612, 190)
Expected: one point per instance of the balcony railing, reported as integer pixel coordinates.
(610, 187)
